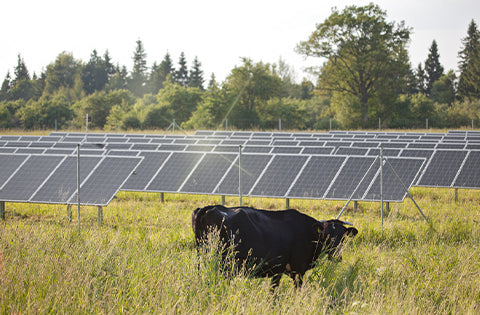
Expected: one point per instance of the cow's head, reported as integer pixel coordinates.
(331, 235)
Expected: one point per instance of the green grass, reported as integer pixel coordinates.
(143, 260)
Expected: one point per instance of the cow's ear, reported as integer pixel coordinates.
(351, 231)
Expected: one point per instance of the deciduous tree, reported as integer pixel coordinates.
(365, 56)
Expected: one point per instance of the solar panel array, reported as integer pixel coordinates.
(45, 178)
(329, 165)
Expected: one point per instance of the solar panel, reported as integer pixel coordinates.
(279, 175)
(469, 175)
(349, 176)
(287, 150)
(26, 180)
(393, 190)
(152, 161)
(208, 173)
(9, 163)
(351, 151)
(174, 171)
(62, 184)
(106, 179)
(318, 150)
(442, 168)
(252, 166)
(316, 177)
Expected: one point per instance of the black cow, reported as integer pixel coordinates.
(273, 242)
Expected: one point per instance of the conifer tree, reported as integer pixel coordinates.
(21, 72)
(196, 75)
(181, 75)
(6, 86)
(138, 76)
(433, 68)
(469, 65)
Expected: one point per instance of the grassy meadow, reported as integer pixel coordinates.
(143, 260)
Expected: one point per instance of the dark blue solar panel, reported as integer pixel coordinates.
(279, 176)
(442, 168)
(174, 171)
(207, 175)
(316, 177)
(251, 168)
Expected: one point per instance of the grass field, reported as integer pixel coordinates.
(143, 260)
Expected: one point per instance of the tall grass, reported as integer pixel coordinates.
(143, 260)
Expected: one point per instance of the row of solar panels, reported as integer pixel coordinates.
(446, 168)
(271, 175)
(53, 178)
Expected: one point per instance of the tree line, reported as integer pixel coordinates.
(364, 76)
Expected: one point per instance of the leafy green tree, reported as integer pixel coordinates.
(196, 75)
(210, 112)
(99, 104)
(179, 101)
(469, 80)
(65, 72)
(433, 68)
(181, 75)
(250, 86)
(48, 109)
(138, 78)
(291, 112)
(443, 90)
(366, 56)
(420, 80)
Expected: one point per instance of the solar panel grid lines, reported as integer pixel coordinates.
(208, 173)
(280, 174)
(252, 166)
(9, 165)
(61, 185)
(393, 189)
(316, 176)
(174, 172)
(348, 177)
(105, 180)
(442, 168)
(27, 178)
(146, 170)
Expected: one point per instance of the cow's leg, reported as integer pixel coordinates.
(275, 281)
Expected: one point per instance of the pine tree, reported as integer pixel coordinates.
(469, 65)
(6, 86)
(181, 75)
(94, 74)
(433, 68)
(109, 67)
(420, 80)
(139, 73)
(21, 72)
(196, 75)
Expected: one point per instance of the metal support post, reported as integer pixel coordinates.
(223, 200)
(2, 210)
(162, 197)
(78, 184)
(456, 194)
(240, 174)
(69, 213)
(355, 206)
(287, 203)
(406, 190)
(100, 215)
(381, 183)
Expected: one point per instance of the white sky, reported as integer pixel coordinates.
(218, 32)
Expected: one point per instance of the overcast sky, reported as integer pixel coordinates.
(218, 32)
